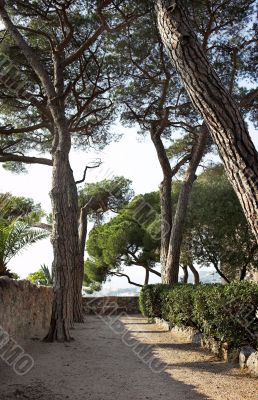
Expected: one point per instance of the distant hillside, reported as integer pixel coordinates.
(206, 277)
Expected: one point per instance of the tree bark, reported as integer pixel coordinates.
(78, 279)
(64, 191)
(195, 273)
(186, 275)
(147, 276)
(4, 157)
(171, 274)
(65, 237)
(243, 272)
(165, 200)
(64, 240)
(215, 104)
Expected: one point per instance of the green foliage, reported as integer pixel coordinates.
(106, 195)
(18, 214)
(225, 312)
(41, 277)
(16, 236)
(216, 230)
(177, 305)
(228, 312)
(13, 207)
(123, 241)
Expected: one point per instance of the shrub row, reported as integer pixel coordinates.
(226, 312)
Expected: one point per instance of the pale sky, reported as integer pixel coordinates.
(133, 158)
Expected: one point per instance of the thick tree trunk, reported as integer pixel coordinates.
(65, 245)
(65, 237)
(78, 280)
(165, 200)
(195, 273)
(176, 236)
(186, 275)
(214, 103)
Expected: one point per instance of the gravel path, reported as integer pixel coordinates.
(124, 359)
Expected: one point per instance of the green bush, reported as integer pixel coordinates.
(226, 312)
(179, 305)
(150, 300)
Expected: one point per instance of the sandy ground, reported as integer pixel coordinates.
(125, 359)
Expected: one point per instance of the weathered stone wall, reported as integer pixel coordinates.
(25, 309)
(111, 305)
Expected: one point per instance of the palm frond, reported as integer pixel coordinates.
(16, 237)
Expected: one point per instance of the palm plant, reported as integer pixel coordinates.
(16, 236)
(47, 274)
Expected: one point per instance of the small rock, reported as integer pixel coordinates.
(197, 338)
(234, 356)
(252, 364)
(245, 353)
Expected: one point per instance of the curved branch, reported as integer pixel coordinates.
(125, 276)
(85, 171)
(25, 159)
(10, 130)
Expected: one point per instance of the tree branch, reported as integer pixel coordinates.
(125, 276)
(10, 130)
(249, 98)
(27, 51)
(85, 171)
(25, 159)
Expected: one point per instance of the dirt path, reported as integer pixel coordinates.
(124, 359)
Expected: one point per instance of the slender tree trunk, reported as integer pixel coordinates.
(186, 275)
(77, 289)
(147, 276)
(195, 273)
(219, 271)
(165, 200)
(243, 272)
(214, 103)
(176, 236)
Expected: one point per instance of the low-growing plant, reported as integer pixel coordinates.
(225, 312)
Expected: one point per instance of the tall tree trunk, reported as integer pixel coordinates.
(77, 289)
(65, 238)
(214, 103)
(176, 236)
(165, 200)
(195, 273)
(186, 275)
(64, 191)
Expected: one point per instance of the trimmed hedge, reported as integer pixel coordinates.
(226, 312)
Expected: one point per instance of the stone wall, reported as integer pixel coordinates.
(25, 309)
(111, 305)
